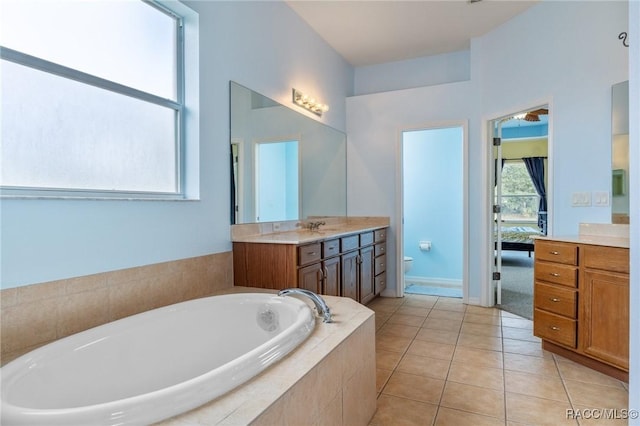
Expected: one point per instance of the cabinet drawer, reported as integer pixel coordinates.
(366, 238)
(556, 273)
(380, 249)
(379, 235)
(552, 298)
(380, 282)
(556, 252)
(554, 328)
(349, 243)
(309, 253)
(380, 264)
(330, 248)
(614, 259)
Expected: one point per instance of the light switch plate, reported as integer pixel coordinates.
(581, 199)
(601, 198)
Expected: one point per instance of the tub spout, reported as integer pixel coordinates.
(321, 305)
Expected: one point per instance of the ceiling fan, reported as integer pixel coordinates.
(535, 114)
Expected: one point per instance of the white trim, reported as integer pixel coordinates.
(434, 282)
(400, 201)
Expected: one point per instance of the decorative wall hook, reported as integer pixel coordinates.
(623, 36)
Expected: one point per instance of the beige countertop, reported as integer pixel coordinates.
(597, 240)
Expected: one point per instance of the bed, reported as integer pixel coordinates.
(518, 238)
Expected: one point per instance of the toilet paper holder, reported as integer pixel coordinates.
(425, 245)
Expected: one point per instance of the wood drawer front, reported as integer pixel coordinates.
(349, 243)
(380, 235)
(309, 253)
(380, 282)
(556, 252)
(380, 249)
(554, 328)
(330, 248)
(559, 300)
(380, 264)
(556, 273)
(614, 259)
(366, 238)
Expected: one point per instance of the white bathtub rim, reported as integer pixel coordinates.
(137, 406)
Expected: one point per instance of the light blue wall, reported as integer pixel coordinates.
(262, 45)
(433, 191)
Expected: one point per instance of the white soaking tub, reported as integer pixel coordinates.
(153, 365)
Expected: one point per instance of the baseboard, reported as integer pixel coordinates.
(434, 282)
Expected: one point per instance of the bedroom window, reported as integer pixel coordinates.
(519, 197)
(87, 110)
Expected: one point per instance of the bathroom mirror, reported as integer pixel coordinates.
(620, 153)
(284, 165)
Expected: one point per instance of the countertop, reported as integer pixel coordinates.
(304, 236)
(596, 240)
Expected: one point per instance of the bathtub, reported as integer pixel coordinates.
(154, 365)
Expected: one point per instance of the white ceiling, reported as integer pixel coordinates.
(367, 32)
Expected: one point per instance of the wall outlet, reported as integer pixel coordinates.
(601, 198)
(581, 199)
(276, 226)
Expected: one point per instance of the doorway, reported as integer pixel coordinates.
(277, 183)
(433, 211)
(519, 194)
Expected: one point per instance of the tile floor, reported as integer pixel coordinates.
(440, 362)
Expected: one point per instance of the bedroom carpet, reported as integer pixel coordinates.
(517, 283)
(433, 291)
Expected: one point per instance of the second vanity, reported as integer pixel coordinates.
(581, 298)
(343, 257)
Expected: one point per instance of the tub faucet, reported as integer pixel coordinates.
(321, 305)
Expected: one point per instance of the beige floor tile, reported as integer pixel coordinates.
(451, 306)
(508, 314)
(394, 411)
(597, 416)
(481, 329)
(535, 385)
(481, 310)
(531, 364)
(517, 323)
(448, 315)
(387, 342)
(440, 336)
(592, 395)
(524, 347)
(486, 377)
(424, 366)
(451, 417)
(537, 411)
(413, 310)
(406, 319)
(411, 386)
(421, 301)
(392, 301)
(401, 330)
(387, 360)
(482, 319)
(381, 319)
(380, 308)
(570, 370)
(381, 378)
(431, 349)
(519, 334)
(478, 357)
(473, 399)
(442, 324)
(480, 342)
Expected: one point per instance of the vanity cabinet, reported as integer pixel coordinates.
(351, 265)
(581, 303)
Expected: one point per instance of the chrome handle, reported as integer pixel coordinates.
(311, 253)
(555, 253)
(554, 299)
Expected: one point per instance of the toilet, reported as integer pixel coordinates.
(408, 261)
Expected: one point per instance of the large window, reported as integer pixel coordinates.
(92, 98)
(519, 197)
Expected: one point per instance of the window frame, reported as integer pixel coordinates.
(178, 106)
(518, 162)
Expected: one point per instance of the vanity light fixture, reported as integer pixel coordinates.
(309, 103)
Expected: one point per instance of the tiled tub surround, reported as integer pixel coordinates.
(330, 379)
(34, 315)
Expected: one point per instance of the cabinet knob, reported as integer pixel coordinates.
(554, 274)
(554, 328)
(555, 253)
(554, 299)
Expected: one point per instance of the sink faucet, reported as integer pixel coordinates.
(311, 226)
(321, 305)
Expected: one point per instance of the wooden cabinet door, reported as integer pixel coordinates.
(349, 275)
(366, 275)
(310, 277)
(604, 319)
(331, 269)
